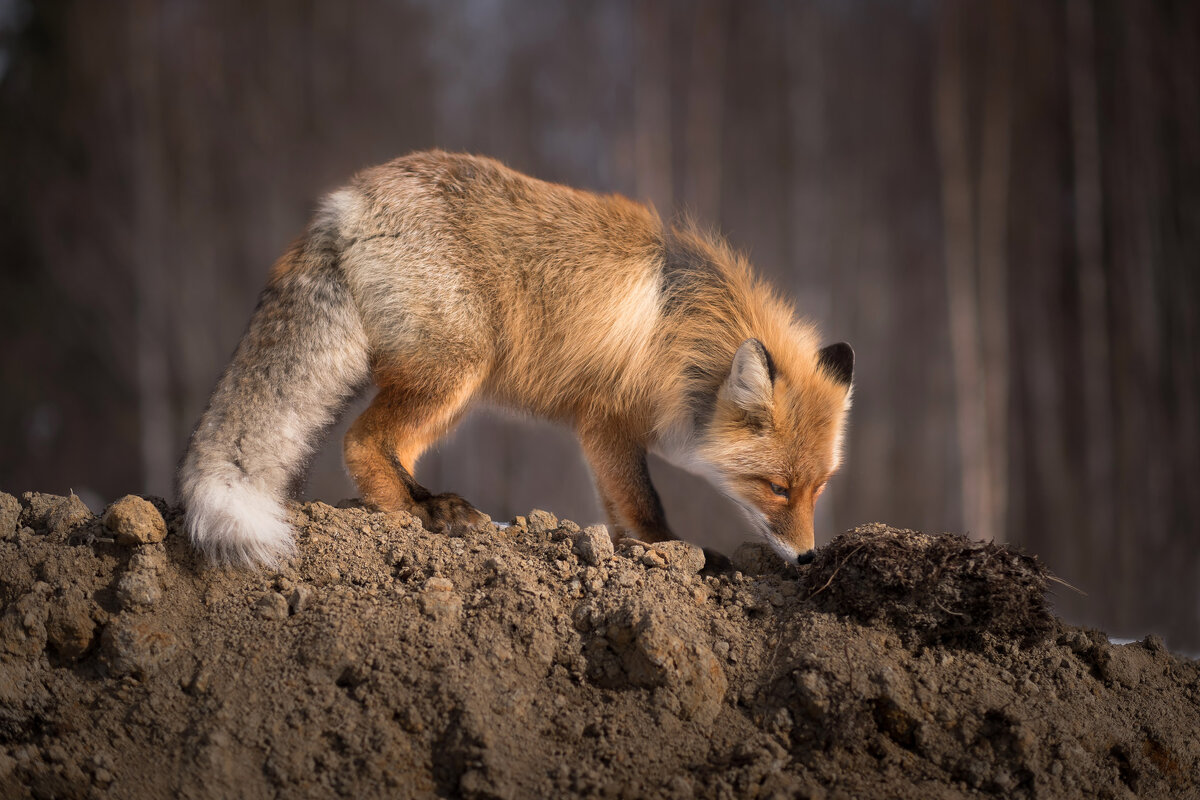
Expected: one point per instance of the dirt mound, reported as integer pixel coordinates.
(932, 589)
(534, 661)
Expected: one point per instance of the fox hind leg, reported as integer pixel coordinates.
(384, 443)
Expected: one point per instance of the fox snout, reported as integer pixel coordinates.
(792, 526)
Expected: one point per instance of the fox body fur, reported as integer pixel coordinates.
(450, 279)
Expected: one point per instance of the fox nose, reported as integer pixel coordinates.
(806, 557)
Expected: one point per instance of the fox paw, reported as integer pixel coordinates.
(449, 513)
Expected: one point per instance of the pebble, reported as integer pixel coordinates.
(593, 545)
(70, 629)
(540, 521)
(67, 515)
(134, 647)
(10, 510)
(682, 556)
(439, 601)
(439, 585)
(300, 598)
(272, 605)
(625, 579)
(135, 521)
(148, 559)
(653, 559)
(680, 787)
(138, 589)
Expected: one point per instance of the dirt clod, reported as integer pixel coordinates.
(134, 521)
(133, 646)
(594, 545)
(10, 512)
(138, 589)
(682, 556)
(70, 624)
(66, 516)
(540, 521)
(301, 597)
(932, 588)
(271, 605)
(386, 661)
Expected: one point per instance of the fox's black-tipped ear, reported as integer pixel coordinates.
(751, 378)
(838, 361)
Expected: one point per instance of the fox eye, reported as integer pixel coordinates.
(782, 491)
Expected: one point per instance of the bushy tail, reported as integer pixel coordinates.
(303, 356)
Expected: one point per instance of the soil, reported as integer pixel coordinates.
(534, 661)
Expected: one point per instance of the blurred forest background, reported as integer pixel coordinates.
(997, 203)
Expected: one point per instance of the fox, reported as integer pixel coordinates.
(449, 280)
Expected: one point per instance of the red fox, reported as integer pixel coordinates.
(449, 279)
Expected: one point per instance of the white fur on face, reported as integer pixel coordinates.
(759, 521)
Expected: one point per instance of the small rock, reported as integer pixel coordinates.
(67, 515)
(654, 558)
(10, 511)
(625, 578)
(300, 598)
(680, 788)
(593, 545)
(540, 521)
(439, 601)
(439, 585)
(70, 629)
(135, 521)
(1152, 643)
(201, 680)
(23, 624)
(272, 605)
(812, 694)
(682, 556)
(138, 589)
(134, 647)
(148, 559)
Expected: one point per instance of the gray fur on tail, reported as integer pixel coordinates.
(304, 355)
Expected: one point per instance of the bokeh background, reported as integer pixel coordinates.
(997, 203)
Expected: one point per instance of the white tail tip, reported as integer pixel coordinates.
(234, 522)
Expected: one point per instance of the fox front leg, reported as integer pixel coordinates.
(618, 462)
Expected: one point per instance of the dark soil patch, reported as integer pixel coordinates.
(932, 589)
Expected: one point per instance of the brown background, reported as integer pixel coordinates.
(997, 203)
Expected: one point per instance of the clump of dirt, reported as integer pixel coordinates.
(932, 589)
(537, 661)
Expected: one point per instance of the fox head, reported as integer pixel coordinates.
(774, 438)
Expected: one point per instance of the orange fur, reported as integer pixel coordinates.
(472, 282)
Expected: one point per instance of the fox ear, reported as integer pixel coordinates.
(838, 362)
(751, 379)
